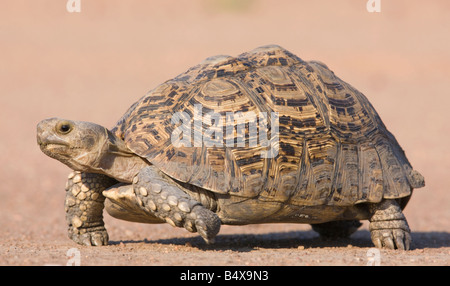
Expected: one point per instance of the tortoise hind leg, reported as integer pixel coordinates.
(388, 226)
(336, 229)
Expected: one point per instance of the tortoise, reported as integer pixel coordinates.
(195, 152)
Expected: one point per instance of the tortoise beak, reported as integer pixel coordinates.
(46, 137)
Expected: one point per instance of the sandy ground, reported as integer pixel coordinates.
(94, 64)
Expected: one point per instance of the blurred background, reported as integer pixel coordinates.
(94, 64)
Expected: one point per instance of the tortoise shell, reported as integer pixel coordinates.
(333, 148)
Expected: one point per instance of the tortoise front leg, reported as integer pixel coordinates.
(161, 197)
(84, 207)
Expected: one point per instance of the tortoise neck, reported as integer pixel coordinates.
(118, 161)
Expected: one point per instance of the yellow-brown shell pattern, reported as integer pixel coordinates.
(332, 146)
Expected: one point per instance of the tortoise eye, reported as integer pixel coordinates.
(64, 127)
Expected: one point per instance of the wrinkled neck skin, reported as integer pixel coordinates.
(110, 156)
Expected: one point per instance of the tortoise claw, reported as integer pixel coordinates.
(97, 236)
(391, 239)
(207, 224)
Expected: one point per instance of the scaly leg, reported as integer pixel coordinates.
(388, 226)
(163, 198)
(84, 207)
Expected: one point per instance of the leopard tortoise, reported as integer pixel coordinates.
(330, 161)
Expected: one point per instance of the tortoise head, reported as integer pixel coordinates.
(87, 147)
